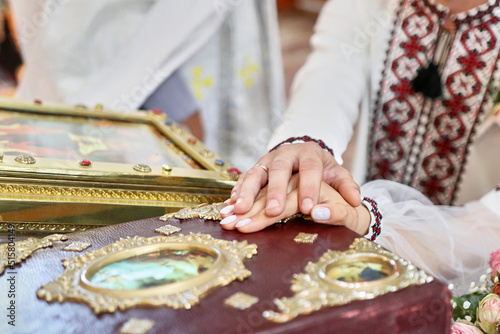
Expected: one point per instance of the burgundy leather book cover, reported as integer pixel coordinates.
(416, 309)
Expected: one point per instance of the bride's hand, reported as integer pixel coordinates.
(275, 170)
(332, 209)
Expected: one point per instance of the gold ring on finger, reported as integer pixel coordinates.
(264, 167)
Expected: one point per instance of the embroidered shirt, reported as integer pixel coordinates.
(422, 142)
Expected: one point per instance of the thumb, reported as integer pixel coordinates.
(335, 213)
(341, 179)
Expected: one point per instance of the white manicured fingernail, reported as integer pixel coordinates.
(227, 201)
(228, 220)
(244, 222)
(227, 210)
(273, 204)
(240, 200)
(233, 194)
(321, 213)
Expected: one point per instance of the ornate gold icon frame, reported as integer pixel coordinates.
(102, 178)
(75, 285)
(317, 289)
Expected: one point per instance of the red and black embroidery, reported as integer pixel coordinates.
(304, 139)
(376, 227)
(425, 143)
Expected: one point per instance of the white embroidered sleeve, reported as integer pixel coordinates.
(337, 63)
(451, 243)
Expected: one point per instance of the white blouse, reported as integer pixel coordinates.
(346, 81)
(351, 78)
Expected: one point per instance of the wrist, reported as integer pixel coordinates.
(304, 139)
(375, 224)
(364, 220)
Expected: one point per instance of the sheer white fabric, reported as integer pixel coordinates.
(453, 244)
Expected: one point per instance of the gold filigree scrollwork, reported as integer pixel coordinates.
(77, 246)
(334, 280)
(83, 281)
(96, 195)
(204, 211)
(43, 227)
(305, 238)
(212, 212)
(25, 248)
(297, 215)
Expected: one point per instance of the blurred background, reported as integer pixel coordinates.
(295, 17)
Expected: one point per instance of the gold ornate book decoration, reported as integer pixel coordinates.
(27, 227)
(241, 301)
(77, 246)
(14, 253)
(204, 211)
(168, 229)
(173, 271)
(365, 271)
(137, 326)
(212, 212)
(305, 238)
(95, 166)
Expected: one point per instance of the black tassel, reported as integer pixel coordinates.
(428, 81)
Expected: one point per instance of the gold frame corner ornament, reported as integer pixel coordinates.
(314, 290)
(23, 249)
(74, 284)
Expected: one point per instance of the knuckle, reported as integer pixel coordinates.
(252, 173)
(344, 213)
(282, 148)
(339, 175)
(343, 173)
(341, 213)
(275, 191)
(311, 163)
(356, 186)
(238, 184)
(312, 146)
(279, 164)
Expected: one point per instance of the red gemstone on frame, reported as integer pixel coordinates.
(234, 171)
(37, 101)
(85, 163)
(157, 111)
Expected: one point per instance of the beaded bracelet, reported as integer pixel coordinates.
(376, 218)
(304, 139)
